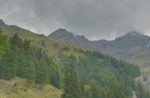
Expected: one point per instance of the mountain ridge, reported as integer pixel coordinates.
(63, 34)
(123, 47)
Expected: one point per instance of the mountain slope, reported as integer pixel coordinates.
(133, 47)
(100, 75)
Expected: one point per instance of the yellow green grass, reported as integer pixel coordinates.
(19, 88)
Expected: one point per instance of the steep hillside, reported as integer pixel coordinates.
(132, 47)
(42, 62)
(37, 39)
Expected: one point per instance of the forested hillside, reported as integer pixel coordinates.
(132, 47)
(78, 73)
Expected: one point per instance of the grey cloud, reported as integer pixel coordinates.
(93, 18)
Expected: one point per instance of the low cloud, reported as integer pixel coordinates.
(95, 19)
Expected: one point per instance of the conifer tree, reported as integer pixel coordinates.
(72, 85)
(8, 66)
(42, 74)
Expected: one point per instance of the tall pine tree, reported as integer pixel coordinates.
(72, 87)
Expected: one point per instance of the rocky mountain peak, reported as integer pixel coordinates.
(2, 23)
(134, 33)
(61, 34)
(64, 35)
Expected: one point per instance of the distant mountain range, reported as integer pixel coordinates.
(133, 47)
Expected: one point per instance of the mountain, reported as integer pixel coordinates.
(42, 62)
(2, 22)
(69, 37)
(132, 41)
(133, 47)
(64, 35)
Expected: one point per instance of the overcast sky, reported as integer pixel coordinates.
(95, 19)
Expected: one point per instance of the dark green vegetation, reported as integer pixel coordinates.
(82, 74)
(72, 88)
(3, 44)
(20, 60)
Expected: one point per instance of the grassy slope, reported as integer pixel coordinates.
(8, 89)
